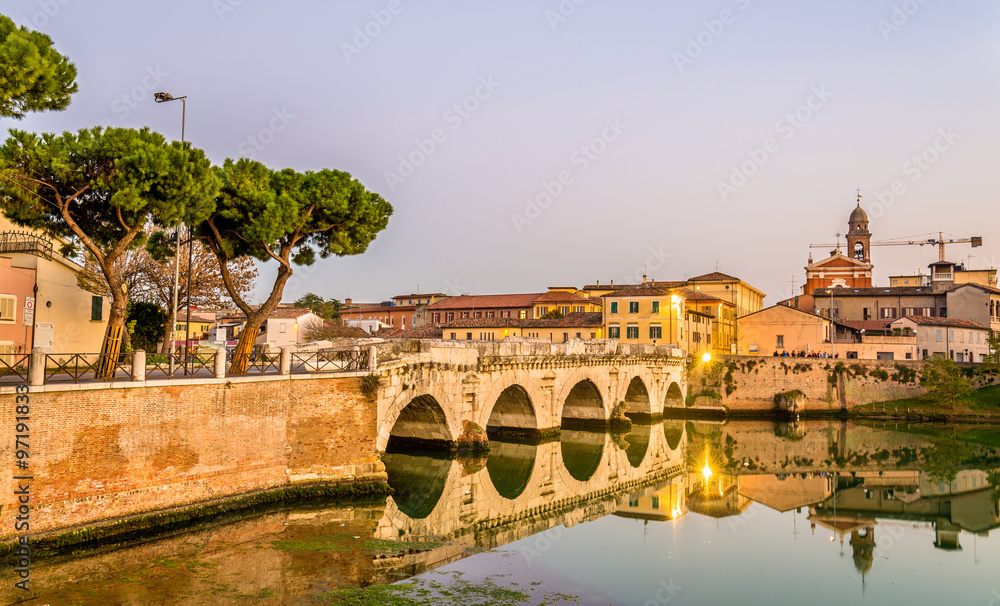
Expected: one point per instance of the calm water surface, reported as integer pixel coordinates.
(683, 513)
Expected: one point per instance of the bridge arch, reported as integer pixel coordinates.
(582, 452)
(420, 421)
(638, 444)
(584, 405)
(674, 398)
(511, 465)
(637, 396)
(673, 431)
(512, 412)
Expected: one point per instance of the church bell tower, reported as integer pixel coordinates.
(859, 239)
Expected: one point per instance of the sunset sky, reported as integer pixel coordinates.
(534, 144)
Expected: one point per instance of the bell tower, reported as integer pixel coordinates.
(859, 239)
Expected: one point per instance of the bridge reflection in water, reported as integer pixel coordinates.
(849, 485)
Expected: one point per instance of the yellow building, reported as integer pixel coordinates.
(566, 301)
(201, 325)
(645, 314)
(744, 297)
(784, 329)
(723, 339)
(556, 330)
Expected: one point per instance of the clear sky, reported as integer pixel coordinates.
(534, 144)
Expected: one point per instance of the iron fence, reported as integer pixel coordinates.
(257, 362)
(77, 367)
(14, 367)
(329, 360)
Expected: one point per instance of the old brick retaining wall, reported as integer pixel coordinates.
(99, 453)
(750, 383)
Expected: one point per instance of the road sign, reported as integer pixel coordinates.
(29, 311)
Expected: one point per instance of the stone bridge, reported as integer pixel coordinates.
(446, 393)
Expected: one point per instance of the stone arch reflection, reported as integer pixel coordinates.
(417, 481)
(582, 452)
(638, 444)
(513, 414)
(421, 424)
(510, 465)
(584, 406)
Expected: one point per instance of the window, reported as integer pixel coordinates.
(614, 332)
(632, 331)
(579, 309)
(96, 308)
(523, 314)
(951, 335)
(866, 313)
(888, 312)
(465, 314)
(437, 317)
(468, 336)
(908, 311)
(781, 341)
(8, 303)
(453, 336)
(633, 307)
(614, 307)
(655, 332)
(451, 316)
(655, 308)
(282, 327)
(939, 335)
(489, 314)
(542, 310)
(565, 337)
(565, 310)
(479, 314)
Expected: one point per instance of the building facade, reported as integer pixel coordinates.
(952, 338)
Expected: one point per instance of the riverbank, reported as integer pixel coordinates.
(135, 528)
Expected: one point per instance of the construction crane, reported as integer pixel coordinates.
(940, 241)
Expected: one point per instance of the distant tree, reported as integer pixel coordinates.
(98, 190)
(945, 381)
(289, 217)
(994, 342)
(328, 309)
(146, 324)
(555, 314)
(33, 76)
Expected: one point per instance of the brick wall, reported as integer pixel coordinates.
(101, 454)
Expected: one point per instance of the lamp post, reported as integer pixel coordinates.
(163, 97)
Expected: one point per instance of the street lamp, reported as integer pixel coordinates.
(163, 97)
(673, 301)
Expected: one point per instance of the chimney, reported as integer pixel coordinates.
(643, 278)
(348, 301)
(612, 283)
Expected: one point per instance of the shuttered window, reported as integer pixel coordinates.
(8, 303)
(96, 308)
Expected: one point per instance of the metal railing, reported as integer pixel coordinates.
(77, 367)
(102, 367)
(329, 360)
(14, 367)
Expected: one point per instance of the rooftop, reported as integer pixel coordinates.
(486, 301)
(952, 322)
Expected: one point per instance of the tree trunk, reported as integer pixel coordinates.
(112, 347)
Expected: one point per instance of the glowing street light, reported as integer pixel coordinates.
(706, 357)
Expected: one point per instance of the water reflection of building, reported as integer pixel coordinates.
(663, 504)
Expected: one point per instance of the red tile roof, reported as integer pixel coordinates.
(953, 322)
(559, 297)
(865, 325)
(421, 332)
(694, 295)
(486, 301)
(290, 312)
(715, 276)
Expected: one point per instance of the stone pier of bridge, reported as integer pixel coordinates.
(456, 393)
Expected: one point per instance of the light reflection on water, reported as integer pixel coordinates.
(812, 513)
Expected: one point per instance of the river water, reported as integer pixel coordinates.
(677, 512)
